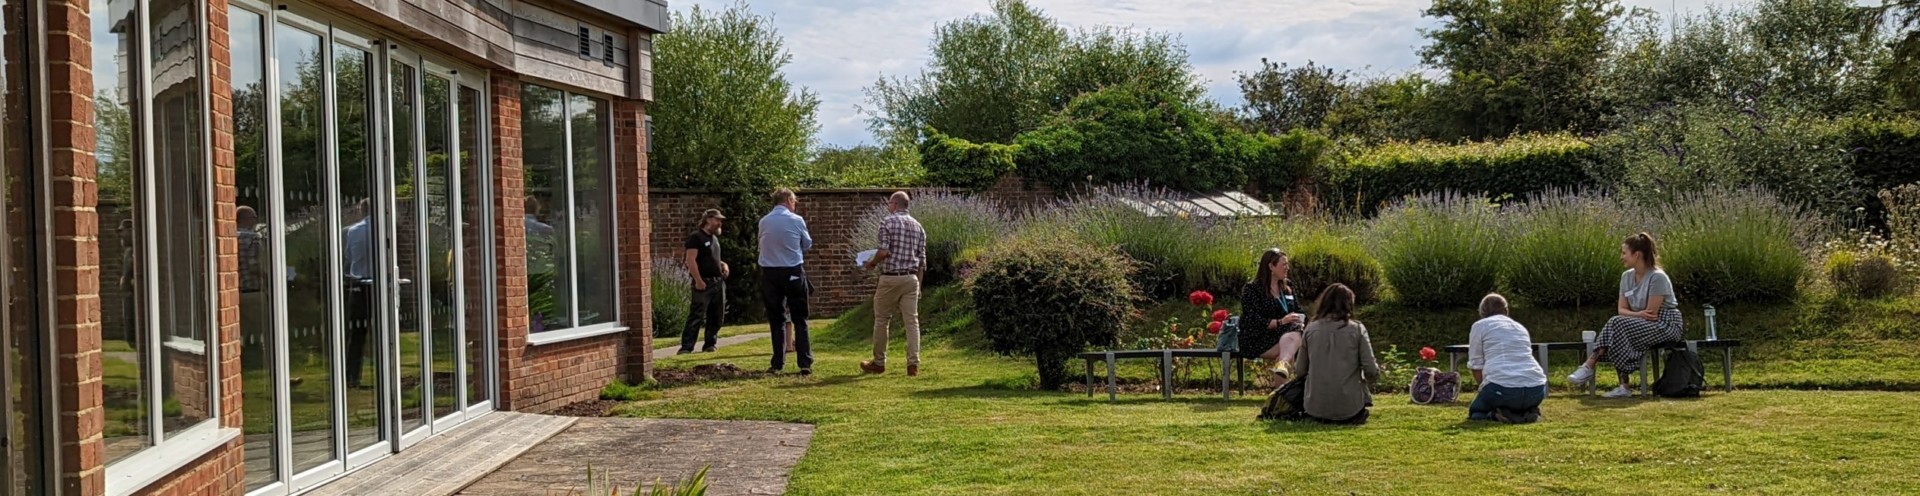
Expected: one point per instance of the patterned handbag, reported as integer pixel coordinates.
(1229, 339)
(1433, 387)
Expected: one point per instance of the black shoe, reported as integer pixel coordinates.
(773, 371)
(685, 351)
(709, 349)
(806, 372)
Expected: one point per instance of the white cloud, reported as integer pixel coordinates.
(841, 47)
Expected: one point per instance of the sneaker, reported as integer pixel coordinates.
(709, 349)
(1582, 375)
(806, 372)
(1284, 370)
(913, 371)
(685, 351)
(872, 368)
(1620, 392)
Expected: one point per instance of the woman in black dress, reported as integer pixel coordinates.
(1270, 317)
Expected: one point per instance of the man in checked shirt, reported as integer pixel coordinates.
(902, 259)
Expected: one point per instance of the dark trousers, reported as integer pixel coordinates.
(359, 325)
(709, 306)
(786, 287)
(1497, 397)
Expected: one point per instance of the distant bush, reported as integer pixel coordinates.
(1276, 162)
(1321, 259)
(1440, 250)
(1048, 296)
(957, 225)
(1177, 252)
(1863, 275)
(1566, 250)
(1725, 246)
(1884, 151)
(672, 296)
(959, 163)
(1512, 168)
(1674, 151)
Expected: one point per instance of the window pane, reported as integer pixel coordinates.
(124, 345)
(353, 101)
(309, 229)
(20, 332)
(413, 390)
(181, 208)
(549, 265)
(440, 247)
(474, 223)
(250, 181)
(593, 207)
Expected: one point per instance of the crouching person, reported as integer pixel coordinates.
(1500, 352)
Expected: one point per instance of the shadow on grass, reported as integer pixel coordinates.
(820, 382)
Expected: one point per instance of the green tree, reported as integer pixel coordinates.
(1903, 67)
(1129, 134)
(1815, 56)
(725, 116)
(1400, 108)
(865, 166)
(993, 77)
(1520, 65)
(1280, 98)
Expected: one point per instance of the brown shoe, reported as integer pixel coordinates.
(871, 368)
(913, 370)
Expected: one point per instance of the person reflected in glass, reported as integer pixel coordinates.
(358, 288)
(255, 321)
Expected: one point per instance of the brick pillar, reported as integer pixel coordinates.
(510, 243)
(75, 251)
(225, 198)
(634, 233)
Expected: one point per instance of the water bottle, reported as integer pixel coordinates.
(1713, 334)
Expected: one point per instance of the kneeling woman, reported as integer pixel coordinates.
(1337, 358)
(1270, 317)
(1649, 315)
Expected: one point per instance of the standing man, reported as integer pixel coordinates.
(902, 259)
(358, 243)
(709, 282)
(783, 278)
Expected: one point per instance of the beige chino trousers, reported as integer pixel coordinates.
(896, 295)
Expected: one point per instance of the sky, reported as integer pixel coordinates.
(841, 47)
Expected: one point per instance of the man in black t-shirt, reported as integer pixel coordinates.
(709, 282)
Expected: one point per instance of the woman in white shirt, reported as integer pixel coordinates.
(1500, 352)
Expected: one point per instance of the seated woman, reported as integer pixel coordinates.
(1649, 315)
(1337, 359)
(1270, 317)
(1500, 352)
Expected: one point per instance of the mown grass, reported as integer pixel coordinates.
(958, 430)
(730, 331)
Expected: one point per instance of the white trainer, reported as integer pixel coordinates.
(1582, 375)
(1619, 392)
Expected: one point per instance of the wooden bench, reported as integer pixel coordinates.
(1166, 368)
(1541, 352)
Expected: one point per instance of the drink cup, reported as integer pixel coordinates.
(1588, 336)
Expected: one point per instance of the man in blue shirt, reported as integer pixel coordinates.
(358, 244)
(783, 278)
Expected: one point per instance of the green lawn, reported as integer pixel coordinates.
(734, 330)
(965, 427)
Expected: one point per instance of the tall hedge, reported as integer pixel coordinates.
(959, 163)
(1513, 168)
(1886, 153)
(1128, 134)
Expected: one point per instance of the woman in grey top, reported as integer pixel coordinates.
(1336, 360)
(1649, 315)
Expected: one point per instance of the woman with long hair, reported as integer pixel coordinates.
(1649, 314)
(1270, 317)
(1336, 358)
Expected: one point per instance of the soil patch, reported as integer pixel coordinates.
(704, 373)
(589, 408)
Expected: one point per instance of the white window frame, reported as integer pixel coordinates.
(165, 454)
(618, 325)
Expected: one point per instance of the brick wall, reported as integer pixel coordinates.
(74, 249)
(832, 217)
(635, 224)
(219, 472)
(1017, 195)
(555, 375)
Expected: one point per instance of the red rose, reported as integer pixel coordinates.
(1427, 353)
(1214, 328)
(1200, 298)
(1220, 315)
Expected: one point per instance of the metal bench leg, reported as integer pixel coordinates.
(1643, 373)
(1166, 375)
(1226, 380)
(1240, 374)
(1726, 366)
(1113, 390)
(1089, 377)
(1453, 362)
(1540, 353)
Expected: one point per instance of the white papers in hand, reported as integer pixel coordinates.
(860, 259)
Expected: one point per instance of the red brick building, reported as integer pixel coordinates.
(254, 246)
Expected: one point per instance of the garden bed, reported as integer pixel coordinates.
(704, 373)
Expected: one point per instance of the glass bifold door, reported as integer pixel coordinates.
(364, 245)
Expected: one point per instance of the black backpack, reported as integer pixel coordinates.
(1684, 376)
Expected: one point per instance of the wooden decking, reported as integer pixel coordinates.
(444, 464)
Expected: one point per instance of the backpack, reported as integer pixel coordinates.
(1684, 375)
(1286, 402)
(1431, 386)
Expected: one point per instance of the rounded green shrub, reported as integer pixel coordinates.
(1322, 259)
(672, 295)
(1863, 275)
(1049, 296)
(1741, 245)
(1565, 250)
(1441, 250)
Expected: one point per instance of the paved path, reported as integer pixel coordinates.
(667, 352)
(443, 464)
(744, 457)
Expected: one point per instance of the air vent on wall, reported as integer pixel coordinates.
(606, 48)
(586, 42)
